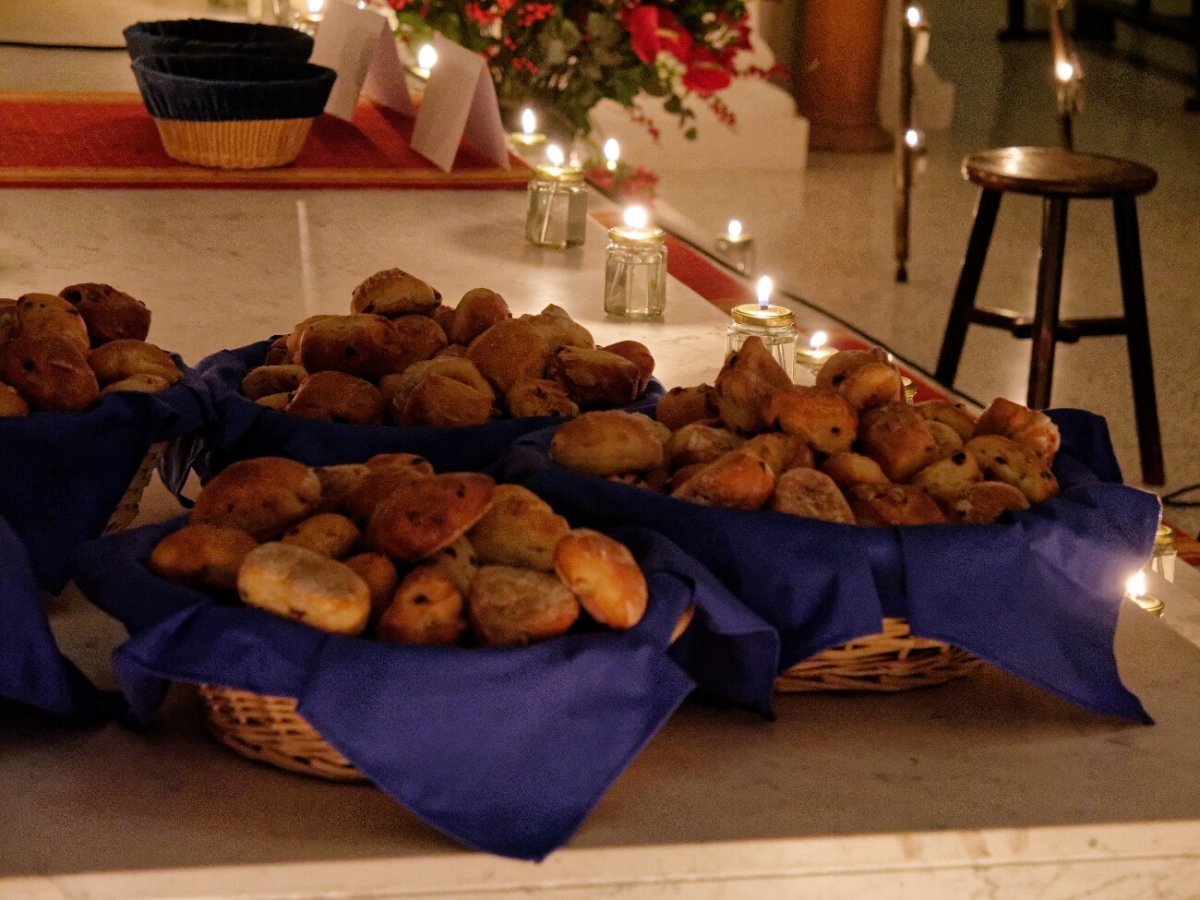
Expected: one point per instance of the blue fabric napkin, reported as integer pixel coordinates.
(245, 429)
(62, 474)
(1036, 594)
(32, 670)
(503, 749)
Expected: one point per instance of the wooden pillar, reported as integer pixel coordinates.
(837, 79)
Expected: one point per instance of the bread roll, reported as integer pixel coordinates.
(332, 396)
(607, 442)
(822, 418)
(737, 480)
(50, 316)
(593, 377)
(1030, 428)
(109, 314)
(427, 609)
(812, 494)
(699, 443)
(509, 351)
(305, 586)
(124, 358)
(850, 468)
(264, 496)
(327, 533)
(984, 502)
(458, 561)
(208, 555)
(742, 396)
(1002, 459)
(511, 607)
(519, 529)
(50, 373)
(12, 404)
(899, 439)
(780, 451)
(533, 397)
(441, 402)
(477, 311)
(949, 477)
(559, 329)
(683, 405)
(393, 292)
(638, 354)
(418, 520)
(603, 576)
(380, 576)
(892, 504)
(138, 384)
(754, 357)
(948, 413)
(366, 346)
(420, 338)
(265, 380)
(379, 482)
(337, 482)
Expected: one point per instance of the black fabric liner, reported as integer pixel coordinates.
(231, 88)
(209, 36)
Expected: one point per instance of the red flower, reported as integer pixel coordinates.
(705, 74)
(653, 30)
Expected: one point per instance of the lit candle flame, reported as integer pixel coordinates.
(735, 229)
(1136, 585)
(914, 15)
(555, 155)
(426, 57)
(612, 152)
(316, 7)
(528, 121)
(1064, 70)
(912, 138)
(636, 217)
(818, 340)
(765, 286)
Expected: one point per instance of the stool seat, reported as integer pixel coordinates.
(1056, 171)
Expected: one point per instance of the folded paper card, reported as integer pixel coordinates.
(243, 429)
(357, 43)
(1036, 594)
(506, 749)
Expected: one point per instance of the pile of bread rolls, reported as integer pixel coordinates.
(390, 548)
(405, 357)
(63, 351)
(848, 449)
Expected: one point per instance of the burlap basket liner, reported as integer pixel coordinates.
(893, 660)
(246, 144)
(127, 508)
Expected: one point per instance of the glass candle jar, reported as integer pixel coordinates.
(557, 213)
(737, 248)
(635, 271)
(775, 326)
(1162, 560)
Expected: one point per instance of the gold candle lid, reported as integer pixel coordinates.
(1164, 537)
(1151, 605)
(762, 316)
(627, 234)
(558, 174)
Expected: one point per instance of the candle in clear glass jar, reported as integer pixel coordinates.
(1162, 561)
(528, 136)
(774, 325)
(557, 212)
(811, 356)
(635, 269)
(1135, 590)
(736, 247)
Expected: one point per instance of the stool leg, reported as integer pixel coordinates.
(968, 284)
(1049, 286)
(1141, 366)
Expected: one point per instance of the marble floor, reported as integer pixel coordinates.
(824, 230)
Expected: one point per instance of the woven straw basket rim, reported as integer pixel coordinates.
(244, 144)
(130, 503)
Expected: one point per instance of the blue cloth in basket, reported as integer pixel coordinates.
(32, 670)
(1036, 594)
(62, 474)
(503, 749)
(245, 429)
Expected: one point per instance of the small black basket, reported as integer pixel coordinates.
(208, 36)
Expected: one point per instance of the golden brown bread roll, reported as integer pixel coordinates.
(812, 494)
(420, 337)
(444, 316)
(984, 502)
(1005, 460)
(366, 346)
(419, 519)
(442, 402)
(458, 561)
(1028, 427)
(898, 438)
(558, 328)
(872, 384)
(277, 402)
(509, 351)
(736, 480)
(754, 357)
(742, 396)
(12, 404)
(138, 384)
(607, 442)
(850, 468)
(299, 584)
(380, 575)
(332, 396)
(48, 315)
(948, 413)
(945, 438)
(699, 443)
(337, 481)
(327, 533)
(393, 292)
(603, 576)
(280, 379)
(109, 314)
(412, 462)
(822, 418)
(682, 405)
(892, 504)
(638, 354)
(519, 529)
(380, 481)
(477, 311)
(124, 358)
(835, 369)
(427, 609)
(208, 555)
(533, 397)
(264, 496)
(780, 451)
(50, 373)
(511, 607)
(594, 377)
(949, 477)
(292, 341)
(278, 353)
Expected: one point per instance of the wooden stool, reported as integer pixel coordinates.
(1058, 175)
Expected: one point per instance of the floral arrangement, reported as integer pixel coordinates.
(565, 56)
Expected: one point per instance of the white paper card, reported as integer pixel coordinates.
(359, 46)
(459, 104)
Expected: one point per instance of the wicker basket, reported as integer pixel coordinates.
(269, 730)
(127, 508)
(894, 660)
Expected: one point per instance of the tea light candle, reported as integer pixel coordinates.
(774, 325)
(1135, 590)
(528, 136)
(1163, 558)
(910, 389)
(612, 154)
(635, 269)
(737, 247)
(426, 60)
(557, 212)
(813, 355)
